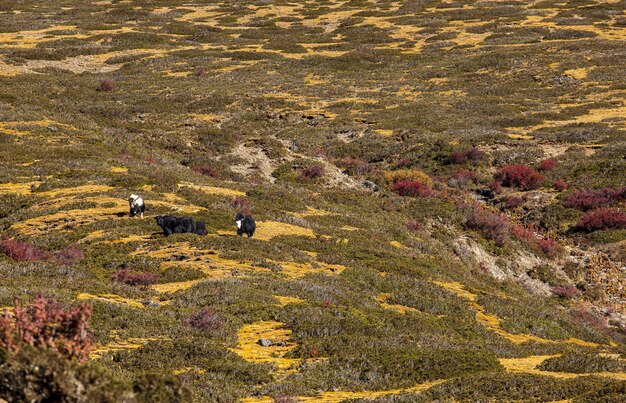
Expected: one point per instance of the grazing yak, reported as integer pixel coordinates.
(137, 206)
(245, 225)
(178, 225)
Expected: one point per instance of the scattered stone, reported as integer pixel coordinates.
(150, 304)
(264, 342)
(371, 185)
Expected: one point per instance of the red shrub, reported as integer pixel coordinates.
(590, 199)
(602, 218)
(354, 166)
(560, 185)
(472, 155)
(495, 187)
(206, 320)
(45, 324)
(411, 189)
(69, 256)
(521, 176)
(201, 73)
(414, 226)
(206, 169)
(106, 85)
(457, 157)
(143, 279)
(242, 204)
(547, 165)
(524, 234)
(312, 172)
(513, 202)
(22, 251)
(491, 225)
(549, 247)
(564, 291)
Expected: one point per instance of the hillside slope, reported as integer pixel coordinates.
(439, 190)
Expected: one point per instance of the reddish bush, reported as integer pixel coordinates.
(560, 185)
(495, 187)
(513, 202)
(201, 73)
(143, 279)
(242, 204)
(590, 199)
(312, 172)
(45, 324)
(520, 176)
(524, 234)
(472, 155)
(206, 170)
(69, 256)
(549, 247)
(457, 157)
(354, 166)
(602, 218)
(565, 291)
(106, 85)
(491, 225)
(206, 320)
(414, 226)
(547, 165)
(411, 189)
(22, 251)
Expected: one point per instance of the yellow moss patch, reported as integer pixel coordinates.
(349, 228)
(119, 170)
(493, 323)
(127, 239)
(403, 309)
(520, 136)
(250, 350)
(94, 236)
(311, 212)
(336, 397)
(20, 189)
(297, 270)
(384, 132)
(213, 190)
(396, 244)
(284, 300)
(129, 344)
(266, 230)
(78, 190)
(70, 219)
(578, 74)
(173, 287)
(528, 365)
(111, 298)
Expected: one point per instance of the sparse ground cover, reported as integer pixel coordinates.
(438, 188)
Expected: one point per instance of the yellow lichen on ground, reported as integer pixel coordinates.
(126, 239)
(132, 343)
(403, 309)
(349, 228)
(578, 74)
(70, 219)
(311, 212)
(529, 365)
(174, 287)
(94, 236)
(19, 189)
(520, 136)
(266, 230)
(213, 190)
(74, 191)
(250, 350)
(396, 244)
(384, 132)
(119, 170)
(298, 270)
(285, 300)
(111, 298)
(493, 323)
(336, 397)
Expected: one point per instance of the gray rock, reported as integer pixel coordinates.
(264, 342)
